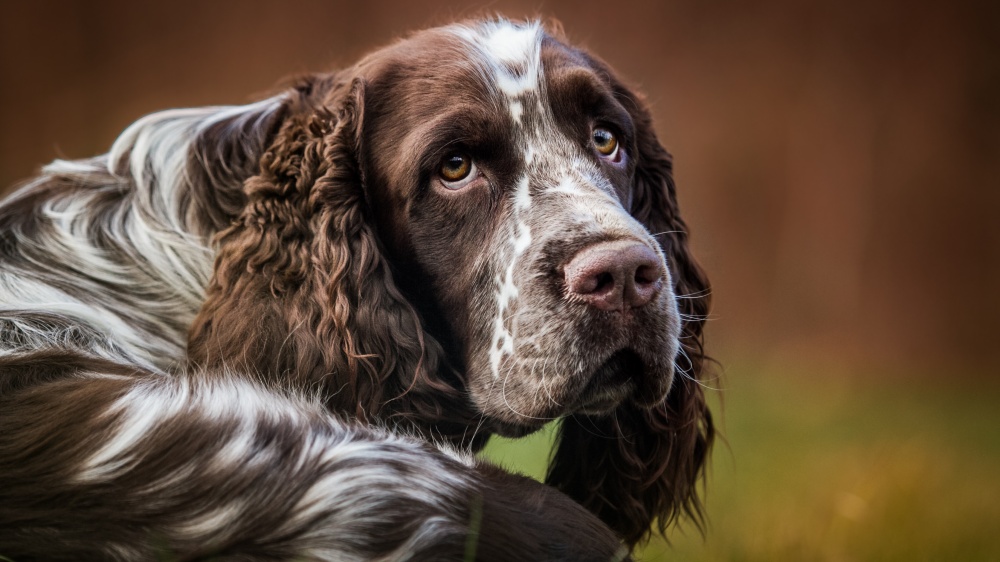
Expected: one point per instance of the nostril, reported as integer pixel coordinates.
(646, 287)
(604, 280)
(647, 275)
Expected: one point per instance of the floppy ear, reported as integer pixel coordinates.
(637, 465)
(301, 291)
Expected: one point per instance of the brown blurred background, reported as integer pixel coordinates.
(838, 161)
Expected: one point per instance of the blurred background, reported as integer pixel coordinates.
(838, 163)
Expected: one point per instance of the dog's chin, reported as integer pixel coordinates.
(625, 376)
(613, 382)
(515, 430)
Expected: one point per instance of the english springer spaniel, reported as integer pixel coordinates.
(280, 330)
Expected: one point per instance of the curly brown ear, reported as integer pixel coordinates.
(636, 465)
(301, 289)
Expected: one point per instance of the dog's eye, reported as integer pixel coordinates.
(605, 142)
(457, 170)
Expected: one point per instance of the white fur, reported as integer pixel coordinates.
(144, 292)
(135, 414)
(511, 53)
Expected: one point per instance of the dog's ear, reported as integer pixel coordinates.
(301, 291)
(640, 465)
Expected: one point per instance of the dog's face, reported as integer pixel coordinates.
(500, 166)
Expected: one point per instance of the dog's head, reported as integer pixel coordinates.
(476, 227)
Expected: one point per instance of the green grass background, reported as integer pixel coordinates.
(834, 467)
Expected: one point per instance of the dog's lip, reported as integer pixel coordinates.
(607, 400)
(626, 375)
(612, 382)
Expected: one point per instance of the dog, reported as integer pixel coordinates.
(280, 330)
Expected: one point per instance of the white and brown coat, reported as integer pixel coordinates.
(273, 331)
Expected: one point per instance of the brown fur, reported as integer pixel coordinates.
(320, 280)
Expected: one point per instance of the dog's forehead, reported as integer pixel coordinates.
(507, 48)
(507, 42)
(493, 65)
(511, 59)
(523, 67)
(519, 86)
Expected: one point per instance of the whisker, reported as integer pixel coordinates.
(705, 317)
(695, 295)
(687, 373)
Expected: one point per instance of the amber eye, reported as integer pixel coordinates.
(605, 141)
(456, 167)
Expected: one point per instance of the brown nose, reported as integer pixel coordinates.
(615, 275)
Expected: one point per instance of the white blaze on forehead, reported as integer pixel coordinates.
(510, 52)
(510, 43)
